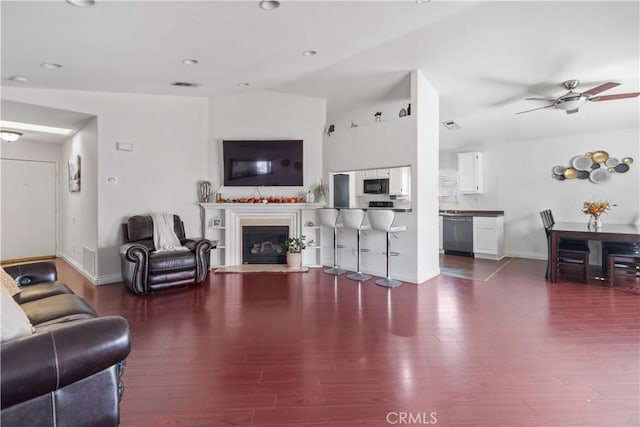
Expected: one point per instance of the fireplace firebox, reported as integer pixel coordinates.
(264, 244)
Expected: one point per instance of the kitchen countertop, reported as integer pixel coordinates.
(367, 208)
(462, 212)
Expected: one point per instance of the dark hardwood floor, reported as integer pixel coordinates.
(312, 349)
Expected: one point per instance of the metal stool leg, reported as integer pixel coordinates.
(388, 281)
(359, 275)
(335, 270)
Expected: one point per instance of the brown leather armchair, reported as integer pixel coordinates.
(144, 270)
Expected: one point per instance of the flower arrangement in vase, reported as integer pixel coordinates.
(595, 209)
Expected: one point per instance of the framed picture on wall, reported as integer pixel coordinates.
(74, 174)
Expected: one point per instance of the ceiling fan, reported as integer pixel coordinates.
(572, 101)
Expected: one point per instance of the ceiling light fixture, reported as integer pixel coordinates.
(82, 3)
(243, 84)
(269, 4)
(35, 128)
(310, 52)
(19, 79)
(50, 65)
(9, 135)
(423, 1)
(189, 61)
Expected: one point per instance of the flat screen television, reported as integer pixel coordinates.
(256, 163)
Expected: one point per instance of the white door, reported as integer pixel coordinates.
(28, 209)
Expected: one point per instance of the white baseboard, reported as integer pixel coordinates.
(78, 267)
(108, 278)
(95, 280)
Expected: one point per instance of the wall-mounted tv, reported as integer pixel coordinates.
(256, 163)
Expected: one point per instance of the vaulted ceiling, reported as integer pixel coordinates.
(483, 57)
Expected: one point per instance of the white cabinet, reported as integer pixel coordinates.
(470, 173)
(376, 173)
(399, 179)
(488, 237)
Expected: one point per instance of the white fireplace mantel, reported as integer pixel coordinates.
(224, 221)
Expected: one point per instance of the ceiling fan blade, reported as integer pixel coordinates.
(601, 88)
(540, 99)
(613, 97)
(534, 109)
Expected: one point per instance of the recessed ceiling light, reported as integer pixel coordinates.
(35, 128)
(310, 52)
(50, 65)
(243, 84)
(269, 4)
(82, 3)
(9, 135)
(19, 79)
(189, 61)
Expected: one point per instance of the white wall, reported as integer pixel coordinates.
(267, 115)
(78, 211)
(169, 135)
(518, 180)
(410, 140)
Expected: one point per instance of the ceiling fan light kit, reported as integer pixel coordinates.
(572, 101)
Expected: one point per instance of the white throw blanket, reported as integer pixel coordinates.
(164, 237)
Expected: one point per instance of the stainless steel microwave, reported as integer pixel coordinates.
(376, 186)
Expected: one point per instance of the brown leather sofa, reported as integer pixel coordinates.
(67, 373)
(144, 270)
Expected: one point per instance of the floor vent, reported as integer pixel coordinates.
(89, 260)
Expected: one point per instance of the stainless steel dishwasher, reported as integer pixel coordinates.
(457, 235)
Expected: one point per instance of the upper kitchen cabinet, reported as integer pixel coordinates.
(470, 173)
(399, 181)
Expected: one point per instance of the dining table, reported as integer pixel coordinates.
(629, 233)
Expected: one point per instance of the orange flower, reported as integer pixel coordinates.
(595, 207)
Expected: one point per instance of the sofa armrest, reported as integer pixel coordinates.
(201, 248)
(135, 267)
(30, 274)
(49, 360)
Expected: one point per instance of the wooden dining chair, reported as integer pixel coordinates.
(619, 254)
(570, 251)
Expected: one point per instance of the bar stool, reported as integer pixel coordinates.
(328, 217)
(382, 220)
(353, 219)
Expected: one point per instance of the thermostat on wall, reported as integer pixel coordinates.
(124, 146)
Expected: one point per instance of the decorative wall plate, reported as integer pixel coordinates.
(598, 176)
(570, 173)
(612, 162)
(600, 156)
(582, 163)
